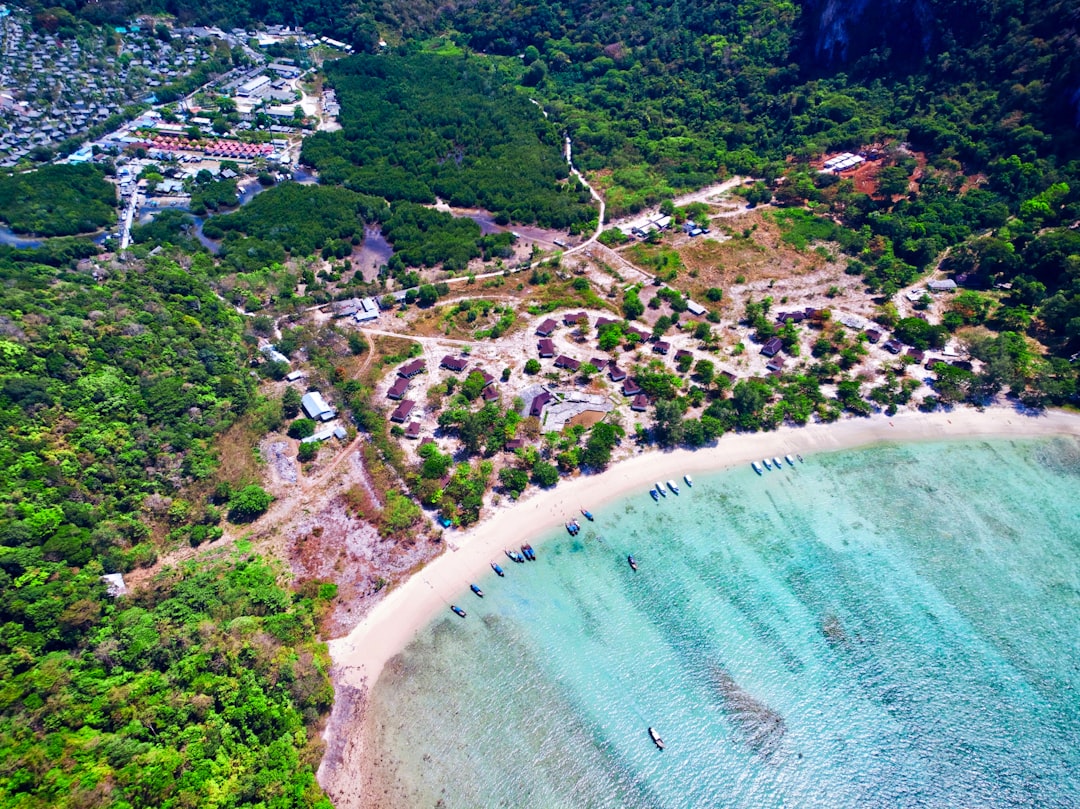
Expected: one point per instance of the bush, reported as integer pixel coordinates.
(301, 428)
(249, 503)
(545, 474)
(532, 366)
(308, 451)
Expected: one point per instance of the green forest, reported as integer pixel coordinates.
(61, 200)
(294, 218)
(199, 691)
(113, 392)
(426, 126)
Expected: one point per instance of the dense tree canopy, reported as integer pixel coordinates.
(60, 200)
(429, 126)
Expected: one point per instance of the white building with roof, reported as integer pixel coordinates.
(315, 406)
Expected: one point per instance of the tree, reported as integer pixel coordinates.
(514, 480)
(532, 366)
(704, 372)
(632, 306)
(473, 385)
(427, 296)
(545, 474)
(290, 402)
(668, 429)
(249, 503)
(602, 440)
(399, 514)
(302, 428)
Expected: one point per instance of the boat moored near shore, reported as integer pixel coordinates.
(757, 467)
(660, 489)
(689, 481)
(633, 564)
(457, 610)
(790, 460)
(498, 570)
(673, 486)
(656, 738)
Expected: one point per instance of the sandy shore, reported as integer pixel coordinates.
(360, 656)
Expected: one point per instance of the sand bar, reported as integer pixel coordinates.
(360, 656)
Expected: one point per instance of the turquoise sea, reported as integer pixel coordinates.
(890, 627)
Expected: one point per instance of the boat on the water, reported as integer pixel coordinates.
(573, 527)
(790, 460)
(673, 486)
(660, 488)
(689, 481)
(656, 738)
(587, 514)
(654, 495)
(797, 455)
(457, 610)
(633, 563)
(530, 554)
(498, 570)
(778, 463)
(476, 590)
(757, 467)
(515, 556)
(767, 463)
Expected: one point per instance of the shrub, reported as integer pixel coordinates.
(249, 503)
(301, 428)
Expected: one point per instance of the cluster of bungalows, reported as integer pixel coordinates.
(842, 162)
(545, 347)
(405, 374)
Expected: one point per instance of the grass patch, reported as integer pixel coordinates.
(799, 228)
(660, 259)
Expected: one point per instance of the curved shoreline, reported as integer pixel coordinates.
(360, 656)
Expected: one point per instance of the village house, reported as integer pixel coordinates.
(640, 403)
(615, 373)
(546, 328)
(399, 388)
(569, 363)
(546, 348)
(455, 364)
(411, 369)
(539, 402)
(772, 347)
(402, 411)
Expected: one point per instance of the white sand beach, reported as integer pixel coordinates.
(360, 657)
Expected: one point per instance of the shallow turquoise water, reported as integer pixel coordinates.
(889, 627)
